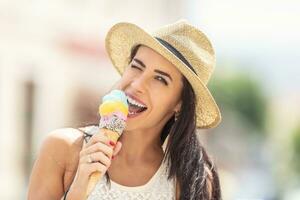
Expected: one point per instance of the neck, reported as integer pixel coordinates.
(140, 146)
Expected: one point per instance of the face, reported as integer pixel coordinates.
(153, 86)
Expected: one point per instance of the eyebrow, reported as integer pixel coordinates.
(140, 62)
(156, 70)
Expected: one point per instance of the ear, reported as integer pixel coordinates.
(177, 108)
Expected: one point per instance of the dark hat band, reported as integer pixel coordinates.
(176, 53)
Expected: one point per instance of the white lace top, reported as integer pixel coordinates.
(157, 188)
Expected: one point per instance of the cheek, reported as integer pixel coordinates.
(167, 94)
(164, 101)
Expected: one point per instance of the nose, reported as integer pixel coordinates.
(139, 84)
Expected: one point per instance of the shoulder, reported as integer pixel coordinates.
(62, 144)
(64, 137)
(58, 152)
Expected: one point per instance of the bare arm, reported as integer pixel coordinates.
(46, 181)
(47, 178)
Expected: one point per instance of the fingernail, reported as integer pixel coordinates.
(112, 143)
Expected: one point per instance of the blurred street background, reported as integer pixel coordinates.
(54, 71)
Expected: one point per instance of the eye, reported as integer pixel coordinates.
(161, 79)
(136, 67)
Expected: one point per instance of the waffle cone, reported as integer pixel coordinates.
(94, 178)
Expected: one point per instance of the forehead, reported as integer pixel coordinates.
(153, 59)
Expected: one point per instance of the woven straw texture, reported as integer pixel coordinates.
(189, 41)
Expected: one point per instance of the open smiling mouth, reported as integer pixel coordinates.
(135, 108)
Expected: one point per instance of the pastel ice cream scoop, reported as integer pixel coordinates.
(113, 112)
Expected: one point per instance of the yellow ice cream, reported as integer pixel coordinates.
(109, 107)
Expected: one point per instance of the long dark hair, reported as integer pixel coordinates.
(186, 158)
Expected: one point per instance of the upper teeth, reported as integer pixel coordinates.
(132, 101)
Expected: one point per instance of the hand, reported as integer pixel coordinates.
(95, 156)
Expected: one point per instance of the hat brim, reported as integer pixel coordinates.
(119, 42)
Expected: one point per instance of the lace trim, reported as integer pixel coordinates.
(150, 183)
(158, 188)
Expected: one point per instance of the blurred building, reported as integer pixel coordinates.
(54, 70)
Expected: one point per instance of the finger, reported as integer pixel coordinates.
(117, 148)
(96, 157)
(98, 137)
(97, 167)
(85, 159)
(102, 158)
(98, 147)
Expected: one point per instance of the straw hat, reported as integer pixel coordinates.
(196, 61)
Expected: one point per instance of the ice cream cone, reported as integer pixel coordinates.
(113, 112)
(94, 178)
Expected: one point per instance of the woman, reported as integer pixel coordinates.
(158, 155)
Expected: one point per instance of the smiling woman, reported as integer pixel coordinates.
(164, 77)
(154, 82)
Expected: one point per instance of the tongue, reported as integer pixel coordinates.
(135, 109)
